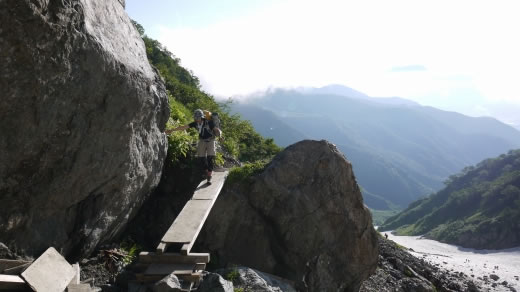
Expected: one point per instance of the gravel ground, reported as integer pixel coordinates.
(494, 270)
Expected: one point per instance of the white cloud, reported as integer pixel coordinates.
(356, 43)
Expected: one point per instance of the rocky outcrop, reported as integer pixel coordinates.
(302, 219)
(82, 116)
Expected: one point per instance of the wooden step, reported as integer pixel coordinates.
(13, 283)
(177, 269)
(173, 258)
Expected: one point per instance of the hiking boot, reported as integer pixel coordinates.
(209, 180)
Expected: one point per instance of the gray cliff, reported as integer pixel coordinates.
(82, 116)
(302, 219)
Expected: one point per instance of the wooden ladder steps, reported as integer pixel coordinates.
(188, 268)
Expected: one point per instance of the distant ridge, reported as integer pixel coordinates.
(346, 91)
(400, 150)
(334, 89)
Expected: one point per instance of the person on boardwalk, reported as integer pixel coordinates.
(206, 145)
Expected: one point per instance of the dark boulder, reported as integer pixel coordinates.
(81, 124)
(302, 219)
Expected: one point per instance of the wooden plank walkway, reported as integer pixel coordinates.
(189, 222)
(179, 239)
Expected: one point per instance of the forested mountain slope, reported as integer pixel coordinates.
(479, 207)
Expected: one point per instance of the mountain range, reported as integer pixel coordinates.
(478, 208)
(401, 151)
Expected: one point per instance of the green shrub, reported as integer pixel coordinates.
(240, 174)
(130, 249)
(233, 275)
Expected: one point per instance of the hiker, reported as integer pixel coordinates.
(206, 145)
(386, 235)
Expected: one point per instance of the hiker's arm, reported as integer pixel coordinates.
(179, 128)
(217, 132)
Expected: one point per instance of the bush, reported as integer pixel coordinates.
(241, 174)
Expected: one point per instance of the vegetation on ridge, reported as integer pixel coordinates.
(240, 139)
(479, 207)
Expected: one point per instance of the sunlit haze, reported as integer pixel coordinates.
(457, 55)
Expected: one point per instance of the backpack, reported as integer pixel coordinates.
(209, 116)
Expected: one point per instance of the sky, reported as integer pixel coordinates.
(456, 55)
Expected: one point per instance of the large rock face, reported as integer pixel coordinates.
(302, 218)
(82, 115)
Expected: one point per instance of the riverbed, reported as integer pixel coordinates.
(480, 265)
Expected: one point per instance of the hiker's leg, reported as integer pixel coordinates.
(211, 157)
(203, 165)
(211, 163)
(201, 154)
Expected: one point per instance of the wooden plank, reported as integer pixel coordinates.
(77, 275)
(166, 269)
(13, 283)
(177, 269)
(50, 272)
(161, 248)
(173, 258)
(187, 225)
(7, 264)
(79, 288)
(185, 249)
(211, 192)
(189, 222)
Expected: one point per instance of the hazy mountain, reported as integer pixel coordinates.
(506, 112)
(342, 90)
(479, 207)
(269, 124)
(400, 152)
(334, 89)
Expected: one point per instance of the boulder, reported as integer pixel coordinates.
(82, 121)
(212, 282)
(169, 283)
(302, 219)
(252, 280)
